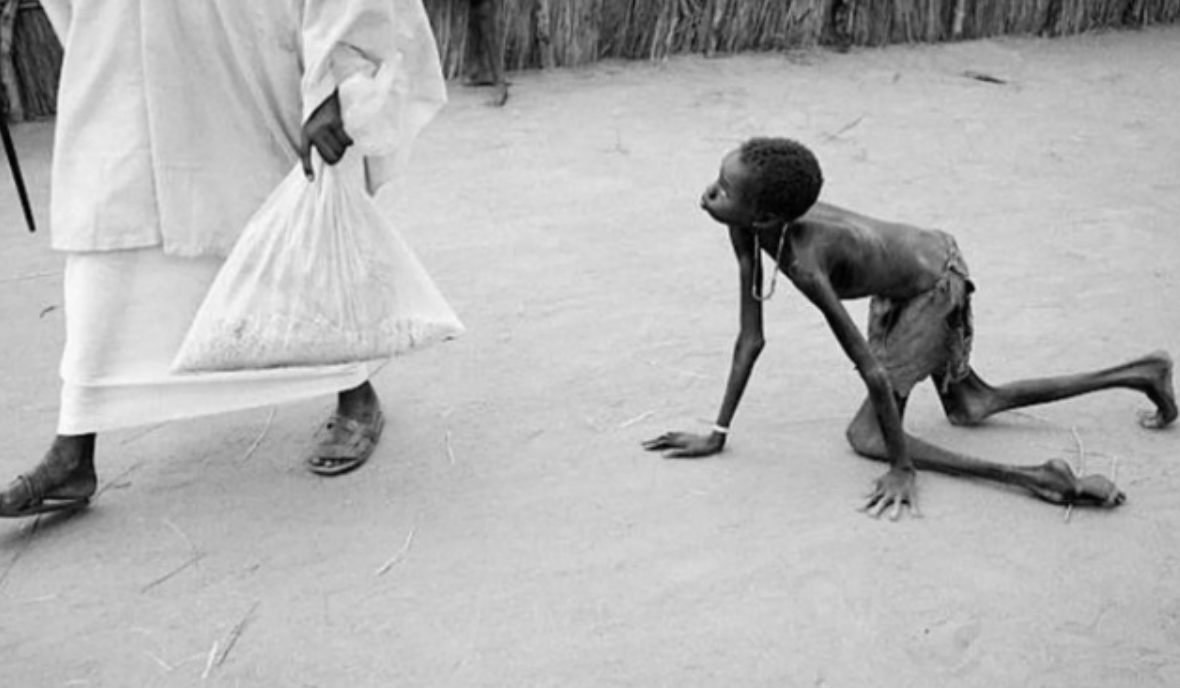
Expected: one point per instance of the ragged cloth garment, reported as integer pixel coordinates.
(927, 334)
(176, 119)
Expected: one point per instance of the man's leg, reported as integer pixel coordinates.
(64, 479)
(1052, 481)
(351, 434)
(481, 27)
(486, 52)
(971, 400)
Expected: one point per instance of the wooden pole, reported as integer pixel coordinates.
(14, 164)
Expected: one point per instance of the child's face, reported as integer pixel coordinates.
(726, 199)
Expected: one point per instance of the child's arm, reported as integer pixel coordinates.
(897, 486)
(749, 345)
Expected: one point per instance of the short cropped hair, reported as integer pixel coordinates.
(786, 176)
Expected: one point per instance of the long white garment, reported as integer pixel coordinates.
(177, 118)
(175, 121)
(121, 338)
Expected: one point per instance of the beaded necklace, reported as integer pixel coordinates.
(778, 264)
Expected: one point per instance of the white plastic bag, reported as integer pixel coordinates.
(318, 277)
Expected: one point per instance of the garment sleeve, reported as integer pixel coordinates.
(382, 56)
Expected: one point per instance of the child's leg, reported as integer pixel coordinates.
(971, 400)
(1052, 481)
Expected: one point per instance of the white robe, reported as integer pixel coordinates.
(175, 121)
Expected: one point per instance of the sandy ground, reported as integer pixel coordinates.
(511, 532)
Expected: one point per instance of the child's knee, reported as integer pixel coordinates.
(864, 435)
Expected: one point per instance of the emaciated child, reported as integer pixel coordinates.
(919, 326)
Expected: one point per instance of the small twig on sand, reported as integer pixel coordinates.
(398, 556)
(210, 660)
(20, 552)
(984, 77)
(142, 433)
(1081, 465)
(30, 276)
(450, 450)
(234, 633)
(164, 578)
(1035, 417)
(176, 529)
(679, 371)
(261, 436)
(114, 482)
(1081, 451)
(163, 665)
(637, 419)
(847, 127)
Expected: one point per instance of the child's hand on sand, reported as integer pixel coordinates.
(897, 488)
(686, 445)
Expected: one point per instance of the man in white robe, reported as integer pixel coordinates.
(175, 121)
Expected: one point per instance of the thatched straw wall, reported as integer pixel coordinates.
(33, 61)
(560, 33)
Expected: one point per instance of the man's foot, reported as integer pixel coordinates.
(347, 439)
(479, 78)
(1055, 482)
(65, 479)
(1159, 364)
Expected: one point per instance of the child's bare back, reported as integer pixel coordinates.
(861, 256)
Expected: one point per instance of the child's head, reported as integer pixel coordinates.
(765, 179)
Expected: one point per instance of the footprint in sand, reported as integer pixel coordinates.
(947, 644)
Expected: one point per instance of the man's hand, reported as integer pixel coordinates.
(686, 445)
(324, 130)
(896, 488)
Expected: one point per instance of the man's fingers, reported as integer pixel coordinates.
(329, 148)
(332, 143)
(896, 510)
(305, 158)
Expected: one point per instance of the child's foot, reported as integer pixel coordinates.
(1055, 482)
(1160, 392)
(65, 479)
